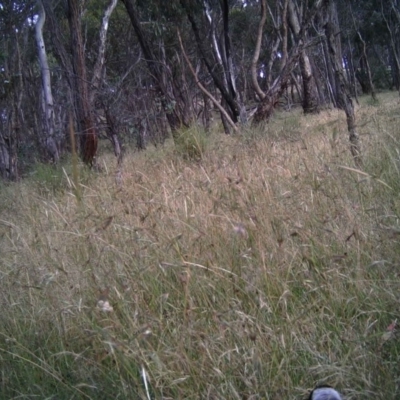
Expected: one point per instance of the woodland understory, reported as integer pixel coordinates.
(136, 72)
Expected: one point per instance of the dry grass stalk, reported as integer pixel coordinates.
(265, 268)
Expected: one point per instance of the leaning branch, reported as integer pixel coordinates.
(203, 89)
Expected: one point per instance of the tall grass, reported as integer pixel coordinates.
(266, 266)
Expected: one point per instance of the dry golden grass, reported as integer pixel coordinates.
(266, 267)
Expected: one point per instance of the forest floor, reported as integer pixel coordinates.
(252, 266)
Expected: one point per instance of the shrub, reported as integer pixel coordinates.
(191, 143)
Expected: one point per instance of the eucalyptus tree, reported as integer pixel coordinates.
(330, 23)
(85, 120)
(97, 78)
(210, 23)
(364, 45)
(119, 67)
(48, 118)
(100, 59)
(81, 70)
(161, 65)
(287, 54)
(310, 93)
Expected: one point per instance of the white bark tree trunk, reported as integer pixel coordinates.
(48, 103)
(96, 79)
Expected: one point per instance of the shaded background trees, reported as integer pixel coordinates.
(124, 77)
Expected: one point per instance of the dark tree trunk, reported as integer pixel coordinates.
(362, 78)
(394, 70)
(228, 62)
(86, 129)
(173, 76)
(206, 113)
(310, 93)
(275, 91)
(268, 103)
(323, 95)
(4, 155)
(159, 73)
(112, 134)
(330, 78)
(57, 40)
(296, 84)
(266, 108)
(13, 121)
(221, 70)
(365, 76)
(350, 69)
(343, 98)
(394, 42)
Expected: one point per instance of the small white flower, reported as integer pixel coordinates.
(104, 305)
(240, 230)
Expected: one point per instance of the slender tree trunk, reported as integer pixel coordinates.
(112, 131)
(228, 62)
(310, 93)
(88, 136)
(383, 61)
(364, 58)
(351, 69)
(257, 50)
(226, 119)
(206, 113)
(220, 68)
(330, 79)
(173, 76)
(284, 26)
(48, 103)
(16, 119)
(64, 59)
(267, 105)
(362, 75)
(273, 48)
(162, 84)
(4, 155)
(394, 69)
(323, 95)
(296, 84)
(98, 68)
(343, 95)
(393, 40)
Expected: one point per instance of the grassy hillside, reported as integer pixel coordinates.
(245, 267)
